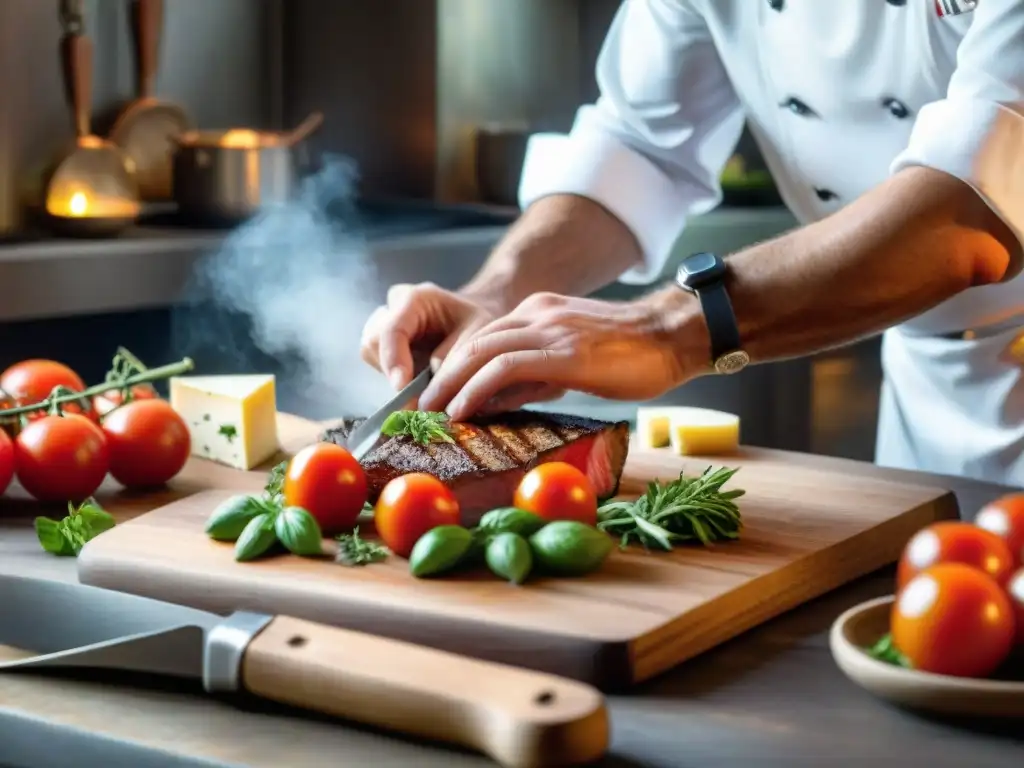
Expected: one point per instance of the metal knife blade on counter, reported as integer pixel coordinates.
(520, 718)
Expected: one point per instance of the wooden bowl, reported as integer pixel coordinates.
(863, 625)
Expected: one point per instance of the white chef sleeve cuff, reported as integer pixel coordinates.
(600, 167)
(980, 142)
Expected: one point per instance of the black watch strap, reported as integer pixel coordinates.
(704, 274)
(720, 319)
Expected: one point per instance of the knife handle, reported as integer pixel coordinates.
(520, 718)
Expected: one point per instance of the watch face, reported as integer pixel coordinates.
(732, 362)
(700, 269)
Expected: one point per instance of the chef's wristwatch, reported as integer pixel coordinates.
(703, 274)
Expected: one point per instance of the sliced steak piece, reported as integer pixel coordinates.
(491, 454)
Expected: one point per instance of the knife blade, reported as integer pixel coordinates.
(518, 717)
(365, 437)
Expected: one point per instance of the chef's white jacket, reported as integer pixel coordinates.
(837, 94)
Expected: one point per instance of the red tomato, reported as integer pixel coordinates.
(1005, 518)
(149, 443)
(952, 619)
(1016, 591)
(409, 506)
(558, 491)
(6, 461)
(31, 381)
(108, 401)
(955, 542)
(61, 458)
(326, 481)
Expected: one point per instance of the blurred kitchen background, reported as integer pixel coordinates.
(433, 100)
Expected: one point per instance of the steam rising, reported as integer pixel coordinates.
(296, 282)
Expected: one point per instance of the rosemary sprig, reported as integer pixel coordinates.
(422, 426)
(353, 550)
(689, 509)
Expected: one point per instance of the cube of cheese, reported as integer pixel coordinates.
(232, 419)
(689, 431)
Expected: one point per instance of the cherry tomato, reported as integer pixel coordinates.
(6, 461)
(952, 619)
(108, 401)
(326, 481)
(149, 443)
(955, 542)
(1016, 591)
(61, 458)
(409, 506)
(31, 381)
(1005, 518)
(556, 490)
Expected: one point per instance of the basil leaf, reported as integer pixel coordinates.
(51, 537)
(256, 539)
(299, 532)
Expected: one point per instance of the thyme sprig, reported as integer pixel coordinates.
(689, 509)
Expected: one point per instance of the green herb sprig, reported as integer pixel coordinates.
(422, 426)
(354, 550)
(886, 651)
(689, 509)
(66, 537)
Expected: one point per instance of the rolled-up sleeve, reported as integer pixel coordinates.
(652, 148)
(976, 133)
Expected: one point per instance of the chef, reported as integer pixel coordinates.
(895, 131)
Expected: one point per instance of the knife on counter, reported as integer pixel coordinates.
(366, 435)
(519, 718)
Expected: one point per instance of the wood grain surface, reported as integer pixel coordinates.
(807, 531)
(773, 697)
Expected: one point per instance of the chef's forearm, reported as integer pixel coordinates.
(901, 249)
(562, 244)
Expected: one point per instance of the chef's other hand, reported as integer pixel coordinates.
(615, 350)
(416, 313)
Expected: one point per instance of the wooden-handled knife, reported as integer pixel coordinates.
(520, 718)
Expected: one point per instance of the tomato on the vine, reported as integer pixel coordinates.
(105, 402)
(409, 506)
(149, 443)
(955, 542)
(1005, 518)
(328, 482)
(32, 381)
(556, 490)
(952, 619)
(61, 458)
(6, 461)
(1016, 591)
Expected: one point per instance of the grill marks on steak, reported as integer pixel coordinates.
(491, 454)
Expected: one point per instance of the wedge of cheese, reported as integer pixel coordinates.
(232, 419)
(689, 431)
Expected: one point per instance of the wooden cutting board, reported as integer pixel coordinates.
(807, 531)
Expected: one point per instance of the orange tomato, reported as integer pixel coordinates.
(955, 542)
(952, 619)
(31, 381)
(556, 490)
(409, 506)
(326, 481)
(1005, 518)
(1016, 591)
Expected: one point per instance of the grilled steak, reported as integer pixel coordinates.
(491, 454)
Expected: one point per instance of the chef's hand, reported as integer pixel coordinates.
(552, 343)
(417, 313)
